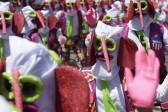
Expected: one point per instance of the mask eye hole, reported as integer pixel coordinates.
(136, 6)
(8, 16)
(97, 43)
(144, 5)
(38, 6)
(6, 87)
(67, 4)
(32, 88)
(32, 14)
(110, 44)
(107, 19)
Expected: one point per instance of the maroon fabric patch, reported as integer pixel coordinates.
(126, 54)
(18, 23)
(52, 21)
(72, 90)
(2, 65)
(92, 57)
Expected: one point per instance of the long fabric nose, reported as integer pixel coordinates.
(17, 90)
(140, 13)
(72, 8)
(19, 2)
(40, 18)
(3, 23)
(106, 53)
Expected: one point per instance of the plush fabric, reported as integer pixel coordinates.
(72, 90)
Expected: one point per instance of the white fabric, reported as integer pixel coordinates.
(116, 94)
(70, 1)
(108, 31)
(97, 0)
(160, 13)
(165, 38)
(32, 58)
(47, 0)
(126, 2)
(4, 6)
(99, 70)
(29, 25)
(162, 91)
(4, 105)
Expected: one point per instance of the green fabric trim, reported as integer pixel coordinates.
(143, 40)
(84, 27)
(44, 38)
(69, 27)
(108, 102)
(1, 49)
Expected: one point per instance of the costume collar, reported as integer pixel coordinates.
(135, 23)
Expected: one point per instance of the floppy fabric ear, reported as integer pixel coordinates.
(130, 12)
(101, 16)
(2, 65)
(103, 4)
(72, 90)
(18, 23)
(52, 21)
(151, 9)
(92, 57)
(40, 19)
(77, 4)
(53, 4)
(126, 53)
(12, 9)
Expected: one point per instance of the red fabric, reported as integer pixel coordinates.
(130, 12)
(151, 9)
(40, 19)
(18, 23)
(126, 54)
(72, 90)
(155, 4)
(52, 21)
(92, 57)
(2, 65)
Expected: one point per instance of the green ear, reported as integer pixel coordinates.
(110, 44)
(6, 86)
(32, 14)
(55, 57)
(8, 15)
(32, 88)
